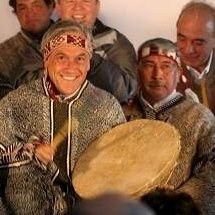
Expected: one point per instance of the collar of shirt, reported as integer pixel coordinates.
(198, 75)
(52, 91)
(160, 103)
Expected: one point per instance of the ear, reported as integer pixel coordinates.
(179, 74)
(214, 42)
(45, 65)
(88, 66)
(98, 5)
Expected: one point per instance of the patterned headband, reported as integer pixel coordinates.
(156, 50)
(74, 39)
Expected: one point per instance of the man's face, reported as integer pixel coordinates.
(195, 40)
(67, 67)
(158, 76)
(81, 11)
(33, 15)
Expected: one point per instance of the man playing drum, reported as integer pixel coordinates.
(159, 72)
(47, 124)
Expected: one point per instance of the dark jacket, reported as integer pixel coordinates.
(113, 46)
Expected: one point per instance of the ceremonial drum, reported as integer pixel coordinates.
(132, 158)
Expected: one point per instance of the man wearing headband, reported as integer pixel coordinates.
(109, 45)
(159, 72)
(50, 122)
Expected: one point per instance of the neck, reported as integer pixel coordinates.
(37, 35)
(200, 69)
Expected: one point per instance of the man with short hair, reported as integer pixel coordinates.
(196, 42)
(159, 72)
(47, 124)
(20, 58)
(109, 44)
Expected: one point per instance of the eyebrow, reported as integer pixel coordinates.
(196, 39)
(151, 61)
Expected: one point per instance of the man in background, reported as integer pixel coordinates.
(109, 43)
(20, 58)
(196, 41)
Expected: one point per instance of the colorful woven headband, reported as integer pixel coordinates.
(74, 39)
(160, 47)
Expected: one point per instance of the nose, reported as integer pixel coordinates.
(70, 64)
(157, 72)
(189, 48)
(30, 12)
(77, 5)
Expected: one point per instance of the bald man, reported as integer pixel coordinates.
(196, 40)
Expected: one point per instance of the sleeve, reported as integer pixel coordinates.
(201, 184)
(11, 140)
(7, 66)
(115, 47)
(108, 76)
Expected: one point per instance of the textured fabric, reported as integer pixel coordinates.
(29, 111)
(20, 62)
(195, 84)
(195, 170)
(73, 39)
(113, 46)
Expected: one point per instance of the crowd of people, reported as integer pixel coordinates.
(65, 83)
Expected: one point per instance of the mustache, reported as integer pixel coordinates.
(157, 83)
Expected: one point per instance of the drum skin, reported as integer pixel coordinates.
(132, 158)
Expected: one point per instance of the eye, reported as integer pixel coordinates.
(37, 5)
(81, 59)
(166, 66)
(148, 66)
(61, 58)
(20, 8)
(199, 42)
(87, 1)
(70, 1)
(181, 40)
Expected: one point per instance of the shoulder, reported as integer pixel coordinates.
(99, 95)
(102, 104)
(10, 52)
(109, 34)
(194, 112)
(26, 93)
(102, 100)
(12, 42)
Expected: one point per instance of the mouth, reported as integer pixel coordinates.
(69, 77)
(156, 85)
(33, 19)
(78, 18)
(190, 58)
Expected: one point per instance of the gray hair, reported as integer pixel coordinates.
(62, 27)
(201, 7)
